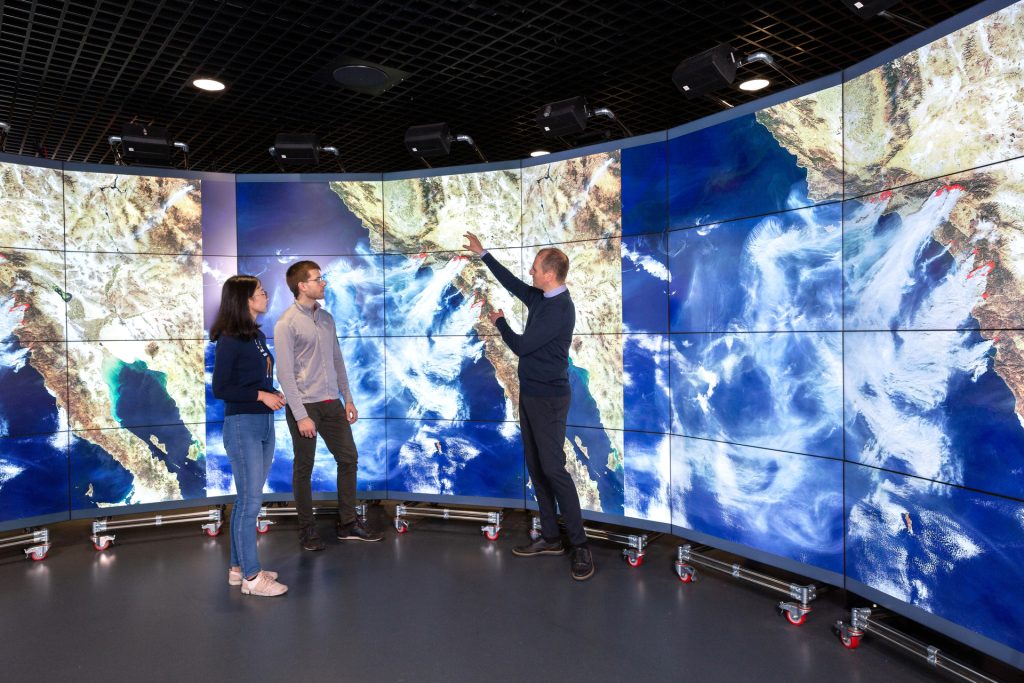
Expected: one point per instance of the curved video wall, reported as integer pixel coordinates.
(798, 328)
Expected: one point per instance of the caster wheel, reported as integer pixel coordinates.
(634, 561)
(100, 547)
(37, 555)
(402, 528)
(686, 577)
(262, 528)
(212, 532)
(850, 642)
(797, 621)
(491, 535)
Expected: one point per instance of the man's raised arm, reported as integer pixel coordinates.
(514, 285)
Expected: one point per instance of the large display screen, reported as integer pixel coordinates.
(798, 328)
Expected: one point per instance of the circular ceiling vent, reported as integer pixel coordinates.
(359, 76)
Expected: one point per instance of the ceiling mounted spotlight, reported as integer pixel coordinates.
(208, 84)
(144, 143)
(435, 140)
(300, 149)
(710, 70)
(539, 153)
(866, 9)
(569, 117)
(716, 68)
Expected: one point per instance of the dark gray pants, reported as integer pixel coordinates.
(542, 419)
(332, 425)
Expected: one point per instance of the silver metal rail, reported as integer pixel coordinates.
(212, 519)
(633, 553)
(263, 523)
(861, 623)
(795, 612)
(491, 530)
(37, 540)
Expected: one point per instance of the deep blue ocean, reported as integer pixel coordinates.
(33, 456)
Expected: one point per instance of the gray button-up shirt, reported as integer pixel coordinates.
(310, 367)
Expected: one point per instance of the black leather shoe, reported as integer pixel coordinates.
(310, 539)
(539, 547)
(356, 532)
(582, 563)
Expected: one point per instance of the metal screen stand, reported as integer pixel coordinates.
(212, 520)
(491, 530)
(633, 553)
(864, 620)
(37, 540)
(795, 612)
(263, 522)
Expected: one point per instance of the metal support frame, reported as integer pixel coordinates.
(862, 622)
(212, 518)
(795, 612)
(491, 530)
(633, 553)
(37, 540)
(263, 521)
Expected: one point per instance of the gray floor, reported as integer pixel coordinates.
(440, 603)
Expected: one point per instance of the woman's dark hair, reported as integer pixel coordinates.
(233, 317)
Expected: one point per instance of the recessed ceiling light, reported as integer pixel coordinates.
(539, 153)
(755, 84)
(208, 84)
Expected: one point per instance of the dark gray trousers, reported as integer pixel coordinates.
(542, 419)
(332, 425)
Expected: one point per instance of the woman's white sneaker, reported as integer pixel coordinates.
(263, 585)
(235, 576)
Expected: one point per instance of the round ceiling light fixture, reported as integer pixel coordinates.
(208, 84)
(539, 153)
(360, 76)
(755, 84)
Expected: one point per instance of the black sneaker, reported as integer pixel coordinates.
(582, 563)
(539, 547)
(356, 532)
(310, 539)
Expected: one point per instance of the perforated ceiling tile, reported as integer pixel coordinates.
(71, 73)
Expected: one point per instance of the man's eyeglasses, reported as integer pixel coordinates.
(318, 279)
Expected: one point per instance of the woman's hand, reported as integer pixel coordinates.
(271, 400)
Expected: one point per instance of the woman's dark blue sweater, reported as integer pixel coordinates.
(241, 369)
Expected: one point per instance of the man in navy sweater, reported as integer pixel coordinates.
(544, 396)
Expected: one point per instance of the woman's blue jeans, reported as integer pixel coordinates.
(249, 442)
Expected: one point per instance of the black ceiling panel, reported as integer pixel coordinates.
(71, 73)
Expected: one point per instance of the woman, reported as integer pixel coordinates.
(243, 372)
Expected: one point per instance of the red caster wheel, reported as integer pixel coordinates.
(212, 531)
(491, 535)
(685, 576)
(37, 555)
(262, 528)
(850, 642)
(797, 621)
(634, 561)
(402, 528)
(100, 547)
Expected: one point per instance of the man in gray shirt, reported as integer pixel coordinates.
(311, 371)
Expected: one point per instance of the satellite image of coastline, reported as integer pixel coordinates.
(33, 359)
(934, 270)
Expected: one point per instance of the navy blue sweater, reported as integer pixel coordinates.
(241, 369)
(543, 347)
